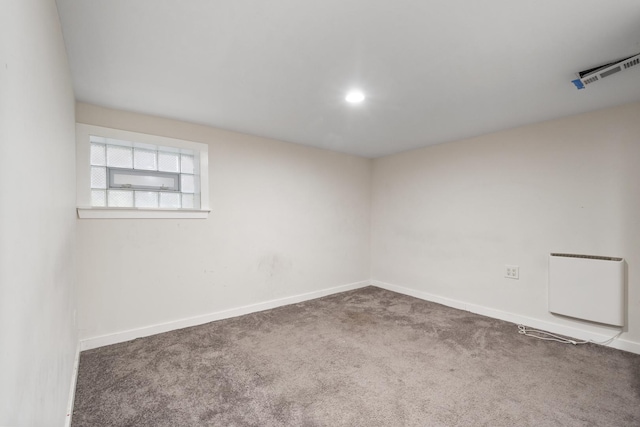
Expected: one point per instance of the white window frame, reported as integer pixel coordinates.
(83, 175)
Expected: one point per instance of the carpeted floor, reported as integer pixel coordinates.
(368, 357)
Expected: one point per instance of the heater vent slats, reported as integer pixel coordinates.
(591, 80)
(596, 74)
(603, 258)
(632, 63)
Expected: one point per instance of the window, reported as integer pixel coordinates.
(125, 174)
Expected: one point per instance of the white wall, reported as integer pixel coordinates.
(447, 218)
(37, 216)
(285, 220)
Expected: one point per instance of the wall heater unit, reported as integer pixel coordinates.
(587, 287)
(593, 75)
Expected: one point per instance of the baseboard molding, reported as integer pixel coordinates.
(72, 389)
(118, 337)
(581, 334)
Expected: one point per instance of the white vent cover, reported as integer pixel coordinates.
(593, 75)
(587, 287)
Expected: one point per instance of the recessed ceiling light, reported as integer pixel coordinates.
(354, 96)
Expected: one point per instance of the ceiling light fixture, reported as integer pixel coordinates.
(354, 97)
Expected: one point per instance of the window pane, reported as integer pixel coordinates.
(98, 198)
(119, 157)
(168, 162)
(187, 184)
(98, 177)
(139, 180)
(146, 199)
(187, 201)
(186, 163)
(98, 156)
(145, 159)
(169, 200)
(120, 198)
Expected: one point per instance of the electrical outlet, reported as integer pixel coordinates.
(512, 272)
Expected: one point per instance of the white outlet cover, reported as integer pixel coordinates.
(512, 272)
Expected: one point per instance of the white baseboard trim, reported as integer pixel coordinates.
(72, 389)
(118, 337)
(620, 344)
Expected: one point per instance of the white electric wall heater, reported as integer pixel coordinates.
(596, 74)
(587, 287)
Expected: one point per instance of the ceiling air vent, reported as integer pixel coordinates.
(592, 75)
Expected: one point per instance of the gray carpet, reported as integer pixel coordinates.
(368, 357)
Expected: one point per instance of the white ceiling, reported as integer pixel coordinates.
(433, 71)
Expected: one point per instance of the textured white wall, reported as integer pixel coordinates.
(447, 218)
(37, 216)
(285, 220)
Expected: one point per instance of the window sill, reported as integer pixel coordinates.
(135, 213)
